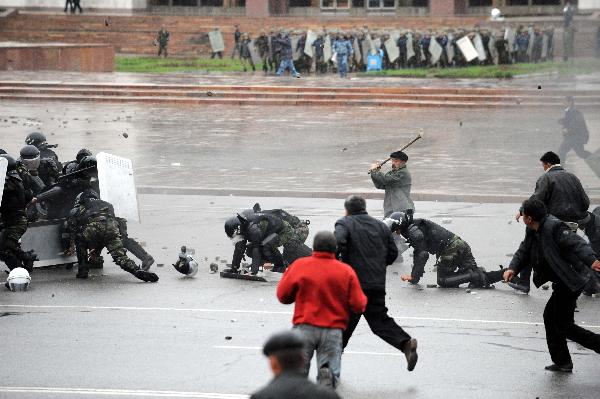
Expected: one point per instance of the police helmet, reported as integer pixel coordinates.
(12, 164)
(87, 193)
(18, 279)
(186, 264)
(396, 221)
(84, 152)
(30, 157)
(36, 139)
(232, 226)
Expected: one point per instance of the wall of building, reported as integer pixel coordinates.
(96, 4)
(589, 5)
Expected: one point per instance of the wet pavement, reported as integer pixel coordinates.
(113, 336)
(307, 149)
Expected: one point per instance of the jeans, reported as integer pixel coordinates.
(343, 65)
(560, 326)
(287, 64)
(328, 344)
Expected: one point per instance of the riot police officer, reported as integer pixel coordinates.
(455, 262)
(14, 220)
(38, 140)
(259, 235)
(93, 226)
(42, 172)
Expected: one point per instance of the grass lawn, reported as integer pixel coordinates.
(166, 65)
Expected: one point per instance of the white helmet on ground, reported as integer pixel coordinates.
(18, 279)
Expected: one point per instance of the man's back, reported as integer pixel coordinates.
(563, 194)
(293, 385)
(324, 290)
(367, 245)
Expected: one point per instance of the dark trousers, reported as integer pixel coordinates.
(560, 325)
(380, 323)
(218, 54)
(570, 144)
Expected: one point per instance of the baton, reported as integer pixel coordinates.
(411, 142)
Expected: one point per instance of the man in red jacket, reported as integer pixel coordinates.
(325, 291)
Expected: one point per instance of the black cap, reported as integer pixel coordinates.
(399, 155)
(287, 340)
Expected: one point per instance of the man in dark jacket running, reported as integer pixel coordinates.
(367, 245)
(559, 255)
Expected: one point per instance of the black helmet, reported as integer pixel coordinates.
(84, 152)
(12, 164)
(2, 151)
(90, 193)
(37, 139)
(232, 226)
(29, 152)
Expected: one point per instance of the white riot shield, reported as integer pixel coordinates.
(216, 41)
(531, 40)
(395, 35)
(295, 54)
(366, 48)
(3, 167)
(375, 46)
(466, 47)
(478, 43)
(393, 51)
(308, 46)
(327, 52)
(435, 50)
(356, 49)
(410, 50)
(509, 36)
(117, 186)
(450, 48)
(254, 53)
(545, 46)
(492, 48)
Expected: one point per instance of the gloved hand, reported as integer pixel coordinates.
(146, 276)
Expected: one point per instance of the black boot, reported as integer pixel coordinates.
(494, 277)
(28, 257)
(146, 276)
(520, 284)
(11, 261)
(83, 270)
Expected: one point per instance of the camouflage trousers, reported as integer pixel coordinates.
(456, 257)
(104, 233)
(12, 231)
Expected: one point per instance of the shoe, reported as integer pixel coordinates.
(567, 368)
(519, 285)
(297, 76)
(146, 276)
(82, 272)
(231, 270)
(325, 377)
(410, 351)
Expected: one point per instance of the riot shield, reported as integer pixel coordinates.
(509, 36)
(254, 53)
(216, 41)
(375, 46)
(410, 50)
(478, 44)
(450, 48)
(44, 238)
(327, 52)
(366, 48)
(393, 51)
(295, 54)
(466, 47)
(117, 186)
(308, 46)
(545, 46)
(435, 50)
(356, 49)
(492, 49)
(3, 167)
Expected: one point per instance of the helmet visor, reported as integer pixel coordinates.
(31, 163)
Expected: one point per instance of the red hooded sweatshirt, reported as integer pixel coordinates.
(325, 291)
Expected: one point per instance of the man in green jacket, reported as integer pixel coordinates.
(396, 183)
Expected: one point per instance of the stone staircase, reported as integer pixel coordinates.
(295, 95)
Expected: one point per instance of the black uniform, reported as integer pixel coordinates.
(367, 245)
(14, 222)
(455, 262)
(559, 255)
(576, 134)
(261, 234)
